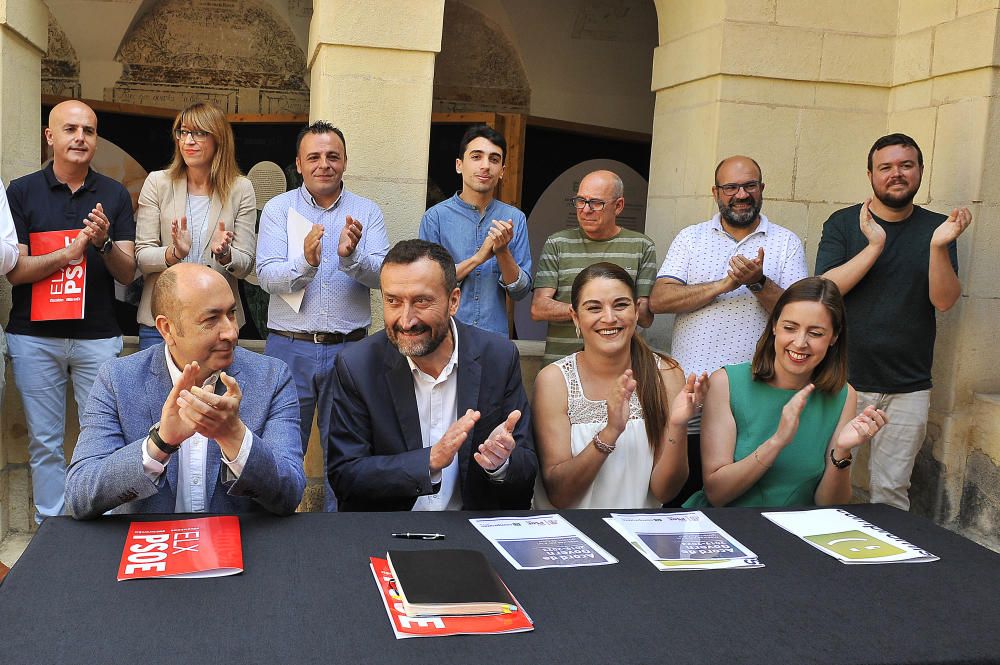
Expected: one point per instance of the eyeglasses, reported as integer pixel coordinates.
(730, 188)
(597, 205)
(199, 135)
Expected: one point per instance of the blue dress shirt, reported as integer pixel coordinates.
(336, 295)
(460, 228)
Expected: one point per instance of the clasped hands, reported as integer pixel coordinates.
(743, 271)
(492, 452)
(96, 228)
(220, 244)
(497, 239)
(350, 236)
(191, 409)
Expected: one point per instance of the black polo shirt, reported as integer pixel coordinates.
(39, 202)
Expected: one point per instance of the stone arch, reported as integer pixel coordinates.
(489, 77)
(238, 54)
(60, 66)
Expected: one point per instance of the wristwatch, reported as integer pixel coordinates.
(106, 247)
(756, 287)
(843, 463)
(154, 436)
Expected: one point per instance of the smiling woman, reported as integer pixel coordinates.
(780, 431)
(199, 210)
(606, 432)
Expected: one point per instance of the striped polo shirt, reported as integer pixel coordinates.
(567, 253)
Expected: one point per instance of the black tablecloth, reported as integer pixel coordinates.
(307, 596)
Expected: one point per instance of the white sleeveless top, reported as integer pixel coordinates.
(623, 481)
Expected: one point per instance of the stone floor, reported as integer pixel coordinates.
(12, 546)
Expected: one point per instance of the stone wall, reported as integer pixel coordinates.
(805, 88)
(23, 36)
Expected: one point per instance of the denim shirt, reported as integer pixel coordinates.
(460, 228)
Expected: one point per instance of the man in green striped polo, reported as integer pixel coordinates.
(598, 201)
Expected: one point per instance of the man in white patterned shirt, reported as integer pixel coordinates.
(722, 277)
(335, 277)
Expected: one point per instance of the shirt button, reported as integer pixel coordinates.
(196, 481)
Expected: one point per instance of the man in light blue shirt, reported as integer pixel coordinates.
(334, 277)
(488, 238)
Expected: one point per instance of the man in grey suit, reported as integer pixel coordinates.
(169, 429)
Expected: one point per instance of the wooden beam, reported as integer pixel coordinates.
(590, 130)
(269, 118)
(512, 126)
(464, 118)
(115, 107)
(160, 112)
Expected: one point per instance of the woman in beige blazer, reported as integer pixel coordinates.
(199, 209)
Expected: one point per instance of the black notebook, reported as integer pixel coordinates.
(448, 582)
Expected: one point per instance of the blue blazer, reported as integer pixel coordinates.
(106, 472)
(376, 459)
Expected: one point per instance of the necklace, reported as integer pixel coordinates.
(193, 227)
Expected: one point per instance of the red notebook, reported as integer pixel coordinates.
(199, 547)
(437, 626)
(61, 295)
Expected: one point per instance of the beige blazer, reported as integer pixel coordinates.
(163, 200)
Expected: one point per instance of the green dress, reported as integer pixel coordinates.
(796, 472)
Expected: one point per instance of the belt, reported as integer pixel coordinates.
(325, 337)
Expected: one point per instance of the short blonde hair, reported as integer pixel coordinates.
(210, 118)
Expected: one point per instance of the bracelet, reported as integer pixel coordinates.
(173, 250)
(756, 457)
(605, 448)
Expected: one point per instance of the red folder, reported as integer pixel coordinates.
(404, 626)
(61, 295)
(199, 547)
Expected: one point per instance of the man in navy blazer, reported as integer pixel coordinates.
(169, 429)
(429, 414)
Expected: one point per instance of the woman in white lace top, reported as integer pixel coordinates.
(606, 432)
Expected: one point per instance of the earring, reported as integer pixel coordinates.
(577, 330)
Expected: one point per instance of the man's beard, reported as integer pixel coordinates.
(421, 347)
(740, 219)
(897, 201)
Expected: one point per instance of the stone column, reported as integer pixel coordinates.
(23, 40)
(372, 74)
(945, 89)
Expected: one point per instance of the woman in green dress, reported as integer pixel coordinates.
(780, 430)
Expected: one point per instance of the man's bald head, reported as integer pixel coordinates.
(741, 161)
(195, 314)
(72, 133)
(606, 180)
(70, 107)
(183, 284)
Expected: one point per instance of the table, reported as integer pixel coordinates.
(307, 596)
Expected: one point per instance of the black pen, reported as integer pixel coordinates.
(419, 536)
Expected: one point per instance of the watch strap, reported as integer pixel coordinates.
(154, 436)
(842, 463)
(106, 247)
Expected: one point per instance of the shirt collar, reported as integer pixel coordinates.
(452, 362)
(763, 227)
(308, 197)
(89, 182)
(459, 201)
(175, 372)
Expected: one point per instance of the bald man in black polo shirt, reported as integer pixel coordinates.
(48, 348)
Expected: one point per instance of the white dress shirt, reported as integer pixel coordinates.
(437, 405)
(193, 458)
